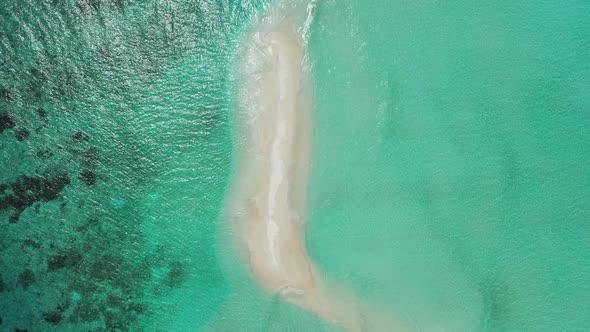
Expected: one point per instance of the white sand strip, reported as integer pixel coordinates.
(269, 198)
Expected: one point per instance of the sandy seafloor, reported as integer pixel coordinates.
(449, 179)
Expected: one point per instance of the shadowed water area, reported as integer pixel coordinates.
(449, 178)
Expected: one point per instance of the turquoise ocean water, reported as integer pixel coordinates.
(449, 179)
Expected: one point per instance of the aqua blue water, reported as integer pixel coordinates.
(449, 179)
(451, 149)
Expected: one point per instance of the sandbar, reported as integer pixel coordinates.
(270, 195)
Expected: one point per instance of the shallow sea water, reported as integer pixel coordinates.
(450, 171)
(449, 179)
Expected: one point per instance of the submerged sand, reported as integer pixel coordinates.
(269, 201)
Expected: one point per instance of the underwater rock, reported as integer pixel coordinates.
(89, 7)
(66, 259)
(38, 74)
(106, 268)
(26, 278)
(90, 157)
(53, 317)
(16, 329)
(42, 113)
(86, 287)
(138, 307)
(31, 243)
(103, 53)
(22, 134)
(45, 154)
(7, 121)
(116, 271)
(27, 190)
(2, 287)
(91, 222)
(115, 320)
(35, 90)
(115, 301)
(7, 94)
(88, 176)
(87, 311)
(80, 136)
(176, 274)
